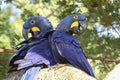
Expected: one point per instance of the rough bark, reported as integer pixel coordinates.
(63, 72)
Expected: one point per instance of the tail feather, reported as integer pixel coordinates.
(31, 73)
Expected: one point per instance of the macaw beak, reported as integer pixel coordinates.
(78, 27)
(25, 33)
(82, 26)
(34, 31)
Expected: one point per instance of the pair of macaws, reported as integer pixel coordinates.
(47, 47)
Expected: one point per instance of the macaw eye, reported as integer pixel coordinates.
(75, 17)
(32, 21)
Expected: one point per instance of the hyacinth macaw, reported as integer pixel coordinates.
(35, 53)
(66, 48)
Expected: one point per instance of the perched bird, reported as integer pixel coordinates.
(35, 53)
(66, 48)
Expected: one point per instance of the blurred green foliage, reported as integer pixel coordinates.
(106, 13)
(4, 58)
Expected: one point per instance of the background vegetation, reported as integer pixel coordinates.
(101, 39)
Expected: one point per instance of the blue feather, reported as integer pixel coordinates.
(67, 49)
(35, 52)
(37, 55)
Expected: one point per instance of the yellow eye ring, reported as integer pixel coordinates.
(32, 21)
(75, 17)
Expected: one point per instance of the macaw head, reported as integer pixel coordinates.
(35, 26)
(75, 23)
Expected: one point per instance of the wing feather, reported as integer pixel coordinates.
(36, 55)
(72, 51)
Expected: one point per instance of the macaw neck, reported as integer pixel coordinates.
(45, 33)
(63, 36)
(66, 32)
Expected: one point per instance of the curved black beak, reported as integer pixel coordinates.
(34, 32)
(25, 33)
(82, 26)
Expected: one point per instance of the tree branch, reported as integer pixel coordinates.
(115, 30)
(56, 72)
(7, 50)
(63, 72)
(113, 74)
(53, 11)
(103, 59)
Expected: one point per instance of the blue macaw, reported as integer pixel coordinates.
(66, 48)
(35, 53)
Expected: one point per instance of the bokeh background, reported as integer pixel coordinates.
(100, 42)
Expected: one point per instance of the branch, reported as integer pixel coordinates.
(114, 74)
(7, 50)
(63, 72)
(57, 72)
(105, 65)
(53, 11)
(103, 59)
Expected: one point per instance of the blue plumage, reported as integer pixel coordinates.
(37, 57)
(66, 48)
(35, 53)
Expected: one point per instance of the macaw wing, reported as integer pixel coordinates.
(22, 51)
(36, 55)
(72, 51)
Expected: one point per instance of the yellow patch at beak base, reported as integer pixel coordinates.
(74, 24)
(35, 29)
